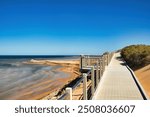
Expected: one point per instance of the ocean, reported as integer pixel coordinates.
(28, 81)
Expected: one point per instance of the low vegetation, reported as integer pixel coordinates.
(136, 56)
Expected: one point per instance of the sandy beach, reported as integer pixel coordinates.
(47, 91)
(143, 76)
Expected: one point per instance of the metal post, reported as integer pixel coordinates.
(84, 86)
(69, 93)
(93, 81)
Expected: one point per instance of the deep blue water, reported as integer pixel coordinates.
(38, 56)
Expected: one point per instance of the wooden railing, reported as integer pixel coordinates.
(92, 69)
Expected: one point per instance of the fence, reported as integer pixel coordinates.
(92, 69)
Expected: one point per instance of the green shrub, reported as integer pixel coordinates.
(136, 56)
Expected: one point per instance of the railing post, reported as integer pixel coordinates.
(69, 93)
(84, 86)
(88, 61)
(103, 63)
(97, 73)
(93, 81)
(81, 56)
(107, 59)
(100, 65)
(84, 61)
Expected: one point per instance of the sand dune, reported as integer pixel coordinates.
(143, 75)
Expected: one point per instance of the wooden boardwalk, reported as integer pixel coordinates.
(117, 83)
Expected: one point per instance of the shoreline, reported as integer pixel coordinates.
(70, 67)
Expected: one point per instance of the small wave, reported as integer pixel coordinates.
(10, 64)
(6, 65)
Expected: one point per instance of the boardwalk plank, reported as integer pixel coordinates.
(117, 83)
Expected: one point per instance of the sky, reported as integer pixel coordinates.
(72, 27)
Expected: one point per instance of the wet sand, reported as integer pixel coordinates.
(48, 88)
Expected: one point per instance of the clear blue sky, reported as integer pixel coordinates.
(72, 26)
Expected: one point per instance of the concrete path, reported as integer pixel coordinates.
(117, 83)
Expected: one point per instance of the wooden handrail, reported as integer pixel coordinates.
(95, 67)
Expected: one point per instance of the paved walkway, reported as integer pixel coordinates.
(117, 83)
